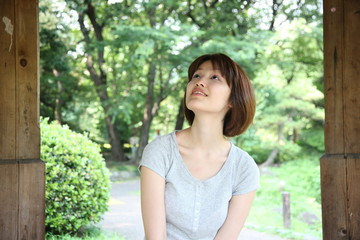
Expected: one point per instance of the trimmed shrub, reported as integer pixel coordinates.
(77, 180)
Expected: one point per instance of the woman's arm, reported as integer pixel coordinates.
(239, 208)
(152, 204)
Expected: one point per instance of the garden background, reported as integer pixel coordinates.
(111, 70)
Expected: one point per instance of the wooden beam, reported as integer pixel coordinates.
(333, 75)
(7, 81)
(8, 168)
(334, 195)
(340, 166)
(27, 80)
(31, 200)
(8, 199)
(351, 76)
(22, 173)
(353, 177)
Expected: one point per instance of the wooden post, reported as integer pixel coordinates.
(340, 166)
(286, 209)
(22, 174)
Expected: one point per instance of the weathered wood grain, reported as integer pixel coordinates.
(31, 199)
(27, 80)
(334, 197)
(8, 199)
(333, 76)
(351, 74)
(353, 177)
(22, 181)
(7, 81)
(340, 167)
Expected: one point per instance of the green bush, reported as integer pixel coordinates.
(288, 152)
(77, 180)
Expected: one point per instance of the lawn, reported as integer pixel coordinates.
(301, 178)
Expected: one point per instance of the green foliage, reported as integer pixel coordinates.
(290, 112)
(251, 142)
(57, 82)
(301, 178)
(313, 138)
(77, 180)
(289, 152)
(279, 44)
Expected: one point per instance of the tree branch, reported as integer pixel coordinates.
(189, 14)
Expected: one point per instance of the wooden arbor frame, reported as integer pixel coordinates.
(22, 174)
(340, 166)
(22, 180)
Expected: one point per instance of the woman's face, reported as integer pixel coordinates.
(208, 91)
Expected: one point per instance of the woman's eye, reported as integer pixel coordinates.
(196, 76)
(215, 77)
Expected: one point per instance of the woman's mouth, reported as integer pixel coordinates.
(197, 92)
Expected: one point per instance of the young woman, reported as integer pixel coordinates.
(195, 184)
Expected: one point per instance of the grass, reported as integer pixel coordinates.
(301, 178)
(88, 233)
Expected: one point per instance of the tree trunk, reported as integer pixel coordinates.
(271, 159)
(98, 76)
(274, 11)
(152, 107)
(117, 152)
(153, 100)
(58, 101)
(180, 116)
(148, 113)
(295, 136)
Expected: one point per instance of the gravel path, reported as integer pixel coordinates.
(124, 215)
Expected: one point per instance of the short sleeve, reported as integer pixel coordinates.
(156, 156)
(247, 175)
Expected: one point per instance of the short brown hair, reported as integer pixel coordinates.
(242, 97)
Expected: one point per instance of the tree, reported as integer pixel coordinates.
(155, 56)
(289, 101)
(136, 54)
(93, 38)
(57, 82)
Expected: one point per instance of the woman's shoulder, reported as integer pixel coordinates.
(241, 158)
(157, 155)
(240, 154)
(161, 141)
(246, 172)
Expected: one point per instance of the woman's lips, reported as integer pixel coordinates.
(198, 92)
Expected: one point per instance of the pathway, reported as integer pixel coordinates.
(124, 215)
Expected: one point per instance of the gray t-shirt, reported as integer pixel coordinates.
(196, 209)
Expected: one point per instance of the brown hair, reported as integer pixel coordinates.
(242, 97)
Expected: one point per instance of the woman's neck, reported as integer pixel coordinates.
(207, 134)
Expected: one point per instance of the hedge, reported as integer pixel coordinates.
(77, 180)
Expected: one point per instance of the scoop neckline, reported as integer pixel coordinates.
(182, 163)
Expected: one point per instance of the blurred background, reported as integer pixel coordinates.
(115, 71)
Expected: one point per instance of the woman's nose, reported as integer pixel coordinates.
(200, 82)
